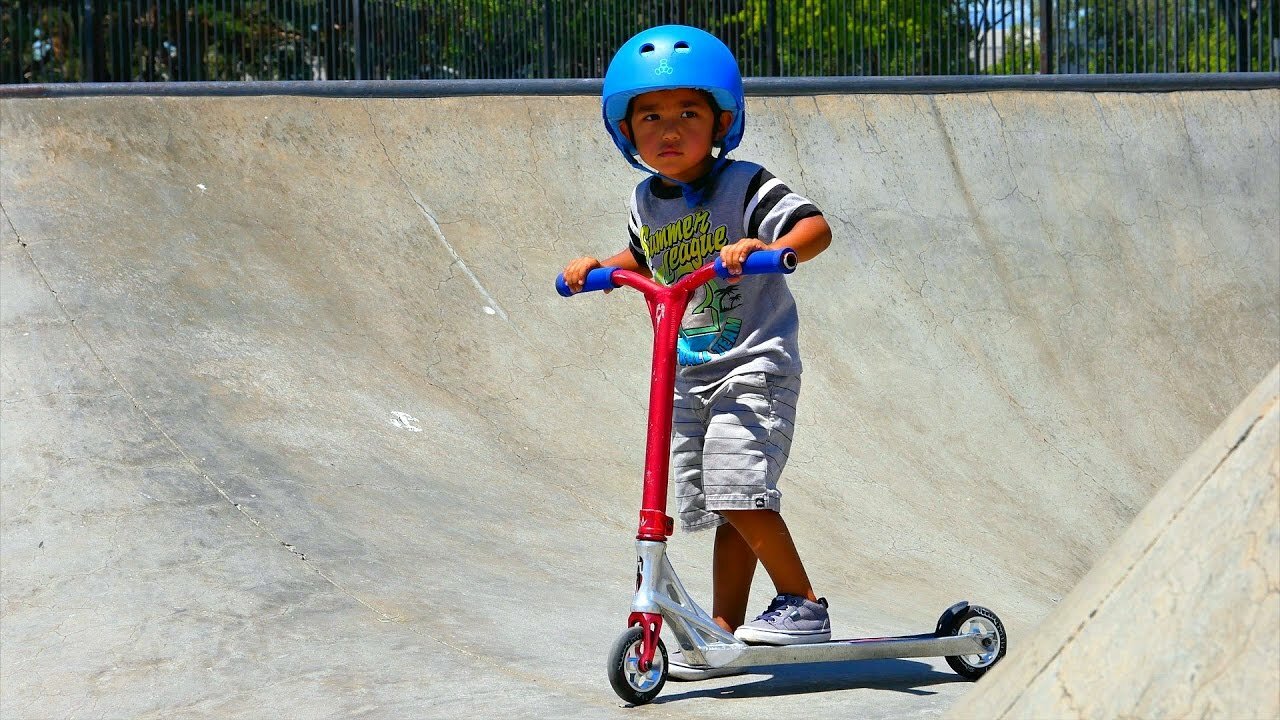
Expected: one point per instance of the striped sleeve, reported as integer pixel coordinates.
(633, 231)
(772, 209)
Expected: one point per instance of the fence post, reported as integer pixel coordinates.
(88, 27)
(1240, 30)
(546, 38)
(771, 36)
(1046, 37)
(357, 9)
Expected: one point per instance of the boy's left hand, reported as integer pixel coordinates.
(733, 255)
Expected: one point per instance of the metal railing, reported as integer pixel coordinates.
(156, 40)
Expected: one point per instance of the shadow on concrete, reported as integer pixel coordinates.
(903, 676)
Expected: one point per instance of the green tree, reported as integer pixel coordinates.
(39, 44)
(859, 37)
(1166, 36)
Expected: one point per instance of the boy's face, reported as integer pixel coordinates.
(674, 131)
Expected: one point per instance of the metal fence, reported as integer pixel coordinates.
(1099, 36)
(151, 40)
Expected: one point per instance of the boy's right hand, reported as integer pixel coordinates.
(575, 273)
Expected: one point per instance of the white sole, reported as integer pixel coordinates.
(688, 673)
(764, 637)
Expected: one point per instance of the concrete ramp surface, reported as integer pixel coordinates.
(295, 425)
(1186, 604)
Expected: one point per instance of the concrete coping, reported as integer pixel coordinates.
(759, 86)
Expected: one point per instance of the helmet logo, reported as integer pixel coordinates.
(664, 68)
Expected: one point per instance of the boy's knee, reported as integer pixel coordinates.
(753, 516)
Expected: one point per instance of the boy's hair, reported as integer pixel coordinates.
(711, 101)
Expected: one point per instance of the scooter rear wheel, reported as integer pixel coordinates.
(977, 620)
(632, 685)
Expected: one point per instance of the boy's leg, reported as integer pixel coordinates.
(747, 442)
(766, 536)
(748, 437)
(796, 615)
(733, 565)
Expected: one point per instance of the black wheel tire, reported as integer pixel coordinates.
(961, 663)
(624, 679)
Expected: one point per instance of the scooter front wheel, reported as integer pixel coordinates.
(625, 676)
(977, 621)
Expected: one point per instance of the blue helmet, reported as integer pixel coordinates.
(669, 57)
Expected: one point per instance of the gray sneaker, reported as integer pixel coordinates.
(790, 620)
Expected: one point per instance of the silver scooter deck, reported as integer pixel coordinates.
(704, 644)
(905, 646)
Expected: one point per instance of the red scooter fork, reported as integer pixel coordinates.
(650, 628)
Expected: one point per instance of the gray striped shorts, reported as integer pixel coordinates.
(729, 443)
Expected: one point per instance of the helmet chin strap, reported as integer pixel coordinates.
(693, 197)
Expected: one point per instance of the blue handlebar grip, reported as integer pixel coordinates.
(763, 262)
(598, 279)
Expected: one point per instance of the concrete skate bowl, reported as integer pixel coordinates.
(1185, 601)
(294, 423)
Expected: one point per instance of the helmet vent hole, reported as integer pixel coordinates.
(647, 48)
(682, 46)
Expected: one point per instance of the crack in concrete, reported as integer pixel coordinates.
(534, 175)
(65, 393)
(1012, 174)
(893, 166)
(1102, 117)
(795, 144)
(437, 231)
(1069, 698)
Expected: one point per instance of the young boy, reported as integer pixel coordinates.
(673, 95)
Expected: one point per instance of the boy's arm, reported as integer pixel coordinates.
(626, 260)
(809, 237)
(575, 273)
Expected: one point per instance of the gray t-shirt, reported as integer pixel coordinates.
(728, 329)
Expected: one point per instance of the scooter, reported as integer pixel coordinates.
(971, 638)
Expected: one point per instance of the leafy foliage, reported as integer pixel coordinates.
(1167, 36)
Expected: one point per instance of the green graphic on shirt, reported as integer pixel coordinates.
(706, 332)
(677, 249)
